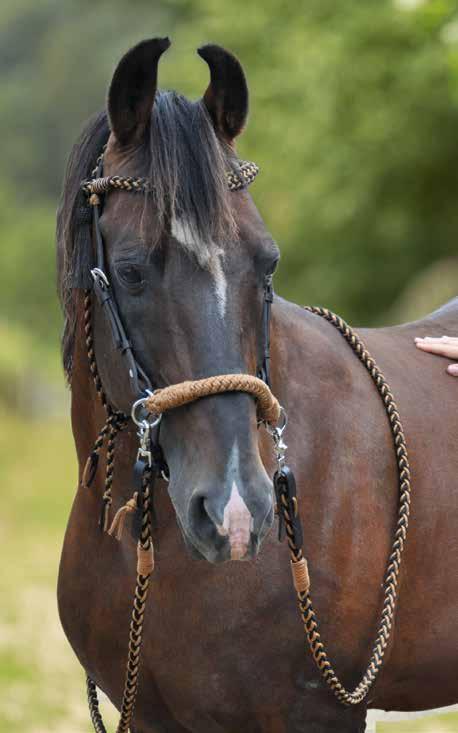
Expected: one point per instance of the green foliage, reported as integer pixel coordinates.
(354, 112)
(27, 259)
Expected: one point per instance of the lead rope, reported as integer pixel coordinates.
(287, 505)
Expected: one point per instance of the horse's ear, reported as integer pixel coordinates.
(227, 95)
(132, 90)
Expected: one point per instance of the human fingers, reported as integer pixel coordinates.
(439, 347)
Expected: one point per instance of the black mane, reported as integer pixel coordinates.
(187, 165)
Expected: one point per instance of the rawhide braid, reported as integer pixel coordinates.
(183, 393)
(238, 178)
(391, 581)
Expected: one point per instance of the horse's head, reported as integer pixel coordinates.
(187, 263)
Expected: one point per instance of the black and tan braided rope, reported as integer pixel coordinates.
(237, 179)
(390, 586)
(135, 632)
(116, 421)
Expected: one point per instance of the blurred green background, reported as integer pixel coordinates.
(354, 122)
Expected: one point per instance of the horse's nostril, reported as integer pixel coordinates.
(200, 516)
(200, 508)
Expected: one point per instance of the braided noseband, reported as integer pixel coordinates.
(177, 395)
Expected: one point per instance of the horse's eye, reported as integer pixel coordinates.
(273, 266)
(130, 275)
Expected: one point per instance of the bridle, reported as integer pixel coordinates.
(238, 178)
(148, 407)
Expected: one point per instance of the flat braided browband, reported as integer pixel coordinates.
(236, 180)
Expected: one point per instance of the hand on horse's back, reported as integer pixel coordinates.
(444, 346)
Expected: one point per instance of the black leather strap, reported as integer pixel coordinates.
(264, 367)
(137, 377)
(286, 496)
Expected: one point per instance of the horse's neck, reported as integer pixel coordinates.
(308, 356)
(332, 404)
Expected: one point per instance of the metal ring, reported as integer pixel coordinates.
(140, 423)
(156, 422)
(283, 414)
(278, 430)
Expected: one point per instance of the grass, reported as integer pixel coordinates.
(41, 681)
(42, 684)
(447, 723)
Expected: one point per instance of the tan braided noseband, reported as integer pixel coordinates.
(176, 395)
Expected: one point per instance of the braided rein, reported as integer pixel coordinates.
(391, 581)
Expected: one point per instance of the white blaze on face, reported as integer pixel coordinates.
(220, 283)
(208, 256)
(237, 519)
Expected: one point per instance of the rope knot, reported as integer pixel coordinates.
(117, 525)
(145, 559)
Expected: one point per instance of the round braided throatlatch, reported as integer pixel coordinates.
(391, 581)
(183, 393)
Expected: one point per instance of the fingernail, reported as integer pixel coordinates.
(453, 369)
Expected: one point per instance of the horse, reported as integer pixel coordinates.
(223, 645)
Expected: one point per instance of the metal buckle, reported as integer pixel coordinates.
(144, 449)
(100, 278)
(277, 437)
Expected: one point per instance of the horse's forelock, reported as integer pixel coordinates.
(188, 168)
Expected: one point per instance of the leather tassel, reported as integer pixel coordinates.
(90, 469)
(104, 515)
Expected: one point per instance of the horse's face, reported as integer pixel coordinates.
(190, 293)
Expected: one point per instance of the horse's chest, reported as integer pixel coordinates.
(222, 650)
(218, 645)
